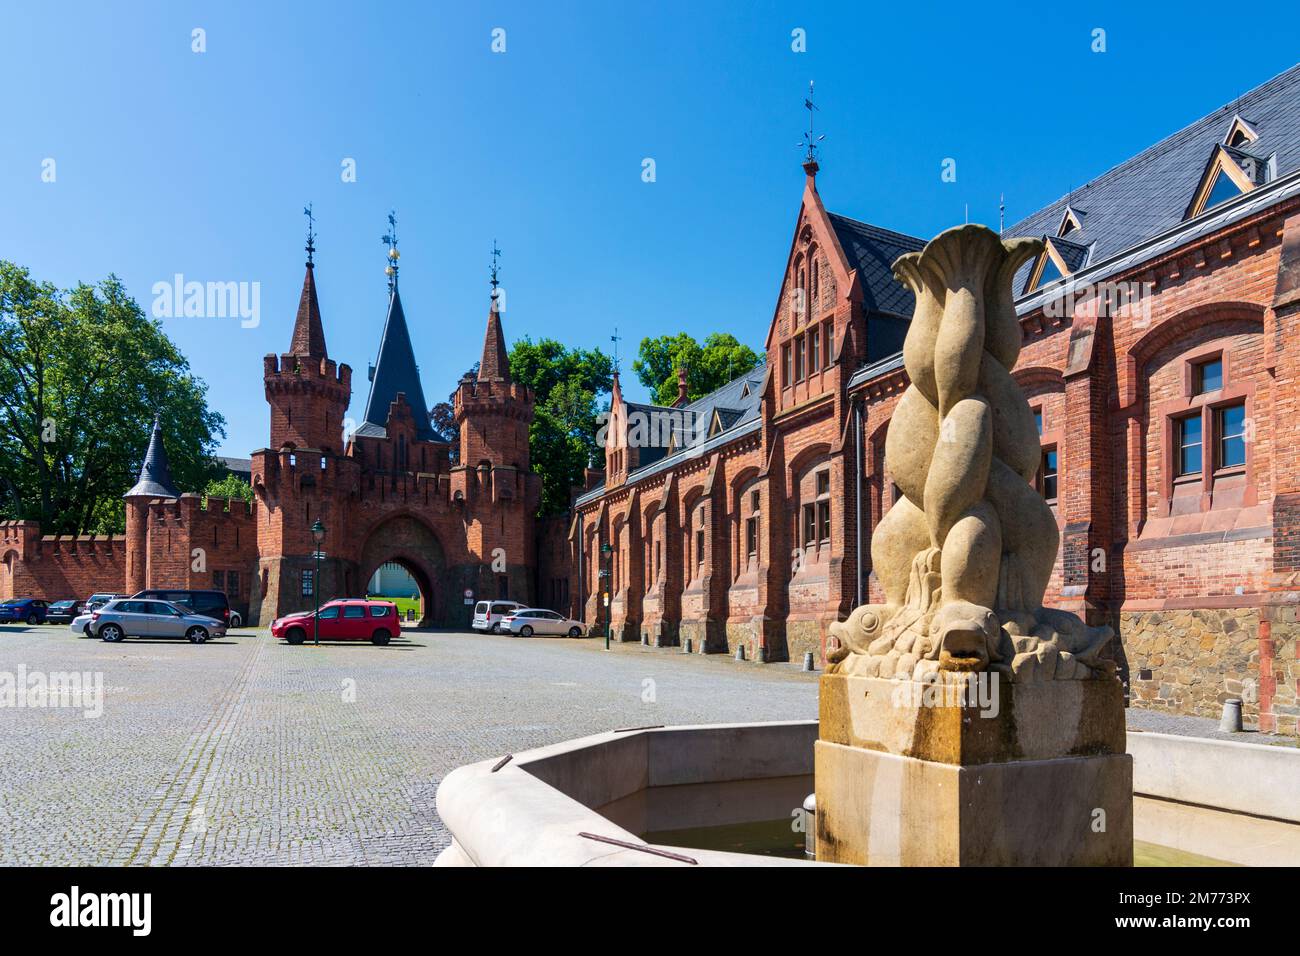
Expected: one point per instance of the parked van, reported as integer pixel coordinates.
(489, 614)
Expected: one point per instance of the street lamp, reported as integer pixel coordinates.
(317, 535)
(607, 553)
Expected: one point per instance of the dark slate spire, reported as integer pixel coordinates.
(395, 371)
(155, 474)
(308, 332)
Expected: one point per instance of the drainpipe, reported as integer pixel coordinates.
(582, 578)
(857, 493)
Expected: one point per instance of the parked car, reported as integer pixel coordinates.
(24, 611)
(236, 619)
(489, 614)
(129, 617)
(535, 620)
(347, 619)
(62, 612)
(81, 623)
(99, 599)
(207, 603)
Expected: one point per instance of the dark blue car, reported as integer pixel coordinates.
(23, 611)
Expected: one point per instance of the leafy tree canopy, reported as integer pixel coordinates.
(230, 486)
(82, 373)
(708, 367)
(566, 384)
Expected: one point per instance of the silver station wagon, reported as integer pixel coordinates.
(138, 617)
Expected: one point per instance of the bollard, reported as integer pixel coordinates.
(645, 639)
(686, 646)
(808, 661)
(810, 826)
(1230, 722)
(740, 652)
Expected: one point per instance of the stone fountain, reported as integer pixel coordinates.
(961, 722)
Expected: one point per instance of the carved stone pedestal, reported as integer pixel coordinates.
(973, 773)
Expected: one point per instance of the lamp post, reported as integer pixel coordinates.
(317, 535)
(607, 552)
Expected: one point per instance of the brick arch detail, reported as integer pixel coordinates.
(406, 539)
(1169, 331)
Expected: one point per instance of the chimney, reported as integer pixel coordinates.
(681, 388)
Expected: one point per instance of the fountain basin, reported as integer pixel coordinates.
(534, 810)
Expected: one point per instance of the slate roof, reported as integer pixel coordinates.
(739, 413)
(873, 251)
(155, 472)
(243, 467)
(1149, 194)
(395, 371)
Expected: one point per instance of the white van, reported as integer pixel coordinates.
(488, 614)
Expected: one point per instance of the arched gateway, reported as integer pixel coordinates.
(408, 541)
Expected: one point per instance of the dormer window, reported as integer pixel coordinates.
(1240, 134)
(1069, 223)
(1229, 173)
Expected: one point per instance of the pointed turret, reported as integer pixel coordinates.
(395, 371)
(155, 473)
(495, 365)
(308, 332)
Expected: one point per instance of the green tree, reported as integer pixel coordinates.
(82, 374)
(566, 384)
(229, 486)
(708, 367)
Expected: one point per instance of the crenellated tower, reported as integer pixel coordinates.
(307, 391)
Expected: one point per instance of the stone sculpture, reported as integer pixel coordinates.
(965, 554)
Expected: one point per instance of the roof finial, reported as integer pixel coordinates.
(311, 235)
(1002, 212)
(809, 140)
(493, 272)
(615, 338)
(390, 240)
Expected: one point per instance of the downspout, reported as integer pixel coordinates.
(857, 495)
(582, 578)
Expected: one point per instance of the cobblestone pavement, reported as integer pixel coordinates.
(247, 751)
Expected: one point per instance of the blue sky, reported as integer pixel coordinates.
(170, 161)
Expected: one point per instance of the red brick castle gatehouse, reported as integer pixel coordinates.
(387, 492)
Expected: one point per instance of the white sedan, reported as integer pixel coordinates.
(527, 621)
(78, 625)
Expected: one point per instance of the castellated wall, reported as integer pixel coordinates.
(58, 567)
(188, 545)
(192, 546)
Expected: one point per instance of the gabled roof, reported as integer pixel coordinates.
(395, 371)
(308, 332)
(155, 472)
(1149, 194)
(873, 252)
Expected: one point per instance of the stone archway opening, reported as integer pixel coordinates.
(404, 583)
(404, 542)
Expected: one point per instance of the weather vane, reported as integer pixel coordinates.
(615, 339)
(390, 240)
(311, 233)
(494, 270)
(809, 142)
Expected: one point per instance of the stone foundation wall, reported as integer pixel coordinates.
(1191, 661)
